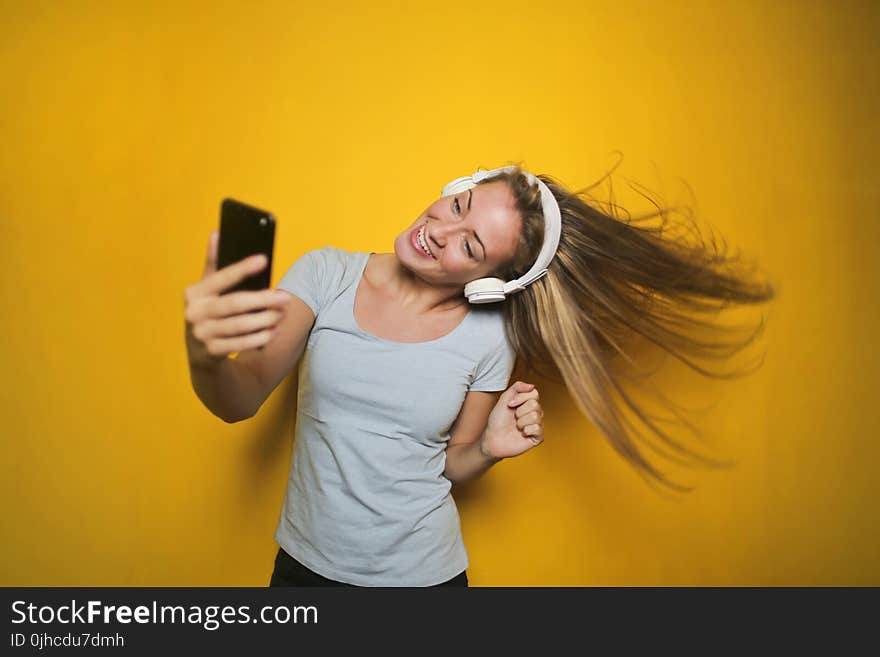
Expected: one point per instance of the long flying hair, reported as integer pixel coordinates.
(610, 281)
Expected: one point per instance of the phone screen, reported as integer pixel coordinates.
(245, 231)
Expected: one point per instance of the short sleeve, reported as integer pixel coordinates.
(493, 372)
(307, 278)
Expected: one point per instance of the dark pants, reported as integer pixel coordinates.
(290, 572)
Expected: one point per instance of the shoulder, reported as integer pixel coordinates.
(489, 331)
(330, 254)
(497, 354)
(489, 322)
(320, 269)
(331, 259)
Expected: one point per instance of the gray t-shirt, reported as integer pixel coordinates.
(366, 501)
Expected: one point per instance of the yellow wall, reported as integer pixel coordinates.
(124, 124)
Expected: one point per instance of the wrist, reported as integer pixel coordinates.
(484, 451)
(207, 364)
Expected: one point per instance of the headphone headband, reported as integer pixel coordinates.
(488, 290)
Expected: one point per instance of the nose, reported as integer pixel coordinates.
(445, 225)
(441, 230)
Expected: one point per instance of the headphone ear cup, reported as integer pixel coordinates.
(485, 290)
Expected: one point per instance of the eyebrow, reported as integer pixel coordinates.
(470, 195)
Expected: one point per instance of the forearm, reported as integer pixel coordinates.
(228, 390)
(466, 461)
(225, 389)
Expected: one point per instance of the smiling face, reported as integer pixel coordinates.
(469, 236)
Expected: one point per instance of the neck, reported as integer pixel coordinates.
(416, 295)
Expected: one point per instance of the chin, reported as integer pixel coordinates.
(400, 249)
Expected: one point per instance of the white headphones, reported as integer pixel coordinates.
(489, 290)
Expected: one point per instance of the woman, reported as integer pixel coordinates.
(402, 386)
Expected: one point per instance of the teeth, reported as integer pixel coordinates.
(421, 240)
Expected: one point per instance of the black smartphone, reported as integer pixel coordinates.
(246, 231)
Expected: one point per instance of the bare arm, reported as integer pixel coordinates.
(268, 329)
(465, 459)
(493, 426)
(226, 389)
(270, 366)
(235, 389)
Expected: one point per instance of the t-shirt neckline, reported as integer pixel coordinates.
(363, 267)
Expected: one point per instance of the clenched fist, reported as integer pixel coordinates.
(516, 423)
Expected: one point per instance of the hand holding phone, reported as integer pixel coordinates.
(224, 316)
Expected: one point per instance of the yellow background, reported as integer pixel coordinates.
(125, 124)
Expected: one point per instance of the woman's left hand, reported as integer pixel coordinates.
(516, 423)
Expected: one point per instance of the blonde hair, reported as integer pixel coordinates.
(612, 280)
